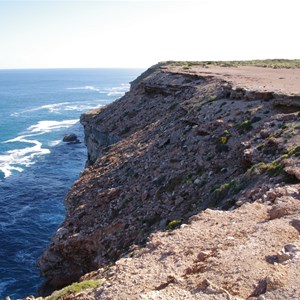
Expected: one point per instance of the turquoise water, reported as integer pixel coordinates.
(37, 108)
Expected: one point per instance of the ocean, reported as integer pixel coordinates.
(37, 109)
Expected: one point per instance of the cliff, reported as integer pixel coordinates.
(184, 140)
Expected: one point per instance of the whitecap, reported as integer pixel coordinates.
(47, 126)
(58, 107)
(52, 107)
(113, 91)
(54, 143)
(21, 138)
(87, 87)
(81, 107)
(118, 90)
(17, 159)
(55, 108)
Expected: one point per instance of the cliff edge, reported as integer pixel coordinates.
(213, 150)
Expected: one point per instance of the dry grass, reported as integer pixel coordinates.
(267, 63)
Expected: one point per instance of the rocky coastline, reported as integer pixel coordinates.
(191, 190)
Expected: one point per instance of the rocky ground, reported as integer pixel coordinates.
(191, 190)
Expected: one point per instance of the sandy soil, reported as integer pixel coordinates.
(284, 81)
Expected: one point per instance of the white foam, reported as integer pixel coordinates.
(47, 126)
(14, 160)
(17, 159)
(21, 138)
(87, 87)
(81, 107)
(52, 107)
(114, 91)
(118, 90)
(59, 107)
(54, 143)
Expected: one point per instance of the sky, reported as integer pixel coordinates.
(95, 34)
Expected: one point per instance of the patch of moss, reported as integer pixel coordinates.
(213, 98)
(294, 151)
(187, 180)
(74, 288)
(223, 190)
(284, 126)
(223, 140)
(273, 168)
(173, 224)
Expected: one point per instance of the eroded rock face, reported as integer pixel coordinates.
(179, 142)
(95, 139)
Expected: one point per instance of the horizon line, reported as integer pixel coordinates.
(68, 68)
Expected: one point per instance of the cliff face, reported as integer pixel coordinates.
(182, 140)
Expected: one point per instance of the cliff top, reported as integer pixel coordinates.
(280, 76)
(266, 63)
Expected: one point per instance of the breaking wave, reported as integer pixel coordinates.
(47, 126)
(20, 158)
(112, 91)
(58, 108)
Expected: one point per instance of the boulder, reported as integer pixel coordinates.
(71, 138)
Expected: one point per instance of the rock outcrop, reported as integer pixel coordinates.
(181, 141)
(71, 138)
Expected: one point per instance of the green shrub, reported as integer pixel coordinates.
(294, 151)
(223, 140)
(173, 224)
(74, 288)
(223, 190)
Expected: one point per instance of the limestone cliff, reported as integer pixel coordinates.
(183, 139)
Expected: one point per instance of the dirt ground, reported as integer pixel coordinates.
(286, 81)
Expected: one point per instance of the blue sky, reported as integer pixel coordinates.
(64, 34)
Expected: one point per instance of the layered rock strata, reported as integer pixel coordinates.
(179, 142)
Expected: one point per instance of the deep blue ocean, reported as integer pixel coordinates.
(37, 108)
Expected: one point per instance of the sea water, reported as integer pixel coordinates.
(37, 108)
